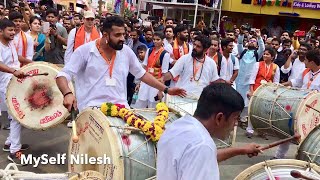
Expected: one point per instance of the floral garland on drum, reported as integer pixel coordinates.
(151, 130)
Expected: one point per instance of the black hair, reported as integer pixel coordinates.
(285, 32)
(271, 51)
(1, 4)
(314, 55)
(134, 21)
(78, 15)
(4, 23)
(218, 97)
(169, 18)
(34, 18)
(229, 31)
(179, 28)
(159, 34)
(52, 11)
(142, 48)
(112, 21)
(194, 29)
(15, 15)
(287, 41)
(147, 29)
(306, 45)
(276, 39)
(167, 27)
(129, 26)
(225, 42)
(204, 40)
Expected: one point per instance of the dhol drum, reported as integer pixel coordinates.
(123, 155)
(88, 175)
(35, 101)
(279, 169)
(284, 111)
(309, 148)
(187, 105)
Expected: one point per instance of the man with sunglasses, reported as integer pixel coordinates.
(84, 34)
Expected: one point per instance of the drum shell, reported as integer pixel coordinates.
(309, 148)
(282, 111)
(280, 168)
(116, 146)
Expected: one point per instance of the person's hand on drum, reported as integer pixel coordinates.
(69, 101)
(18, 74)
(160, 95)
(249, 94)
(177, 92)
(251, 149)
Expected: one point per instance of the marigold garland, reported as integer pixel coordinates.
(151, 130)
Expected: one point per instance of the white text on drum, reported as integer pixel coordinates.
(43, 159)
(86, 159)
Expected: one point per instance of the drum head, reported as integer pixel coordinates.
(280, 169)
(96, 140)
(308, 116)
(36, 102)
(88, 175)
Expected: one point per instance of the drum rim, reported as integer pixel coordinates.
(300, 109)
(115, 148)
(63, 118)
(304, 141)
(245, 173)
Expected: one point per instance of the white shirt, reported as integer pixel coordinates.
(206, 74)
(227, 67)
(235, 49)
(168, 47)
(147, 92)
(302, 81)
(255, 70)
(296, 69)
(70, 43)
(9, 57)
(91, 73)
(18, 43)
(187, 151)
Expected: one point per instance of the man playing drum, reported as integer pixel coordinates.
(196, 70)
(9, 65)
(186, 149)
(101, 68)
(308, 79)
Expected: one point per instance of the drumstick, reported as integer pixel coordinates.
(75, 137)
(298, 175)
(296, 137)
(41, 74)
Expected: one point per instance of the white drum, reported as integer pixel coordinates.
(279, 169)
(36, 101)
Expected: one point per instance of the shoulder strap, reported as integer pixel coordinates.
(162, 56)
(256, 55)
(305, 72)
(233, 59)
(219, 63)
(243, 53)
(150, 51)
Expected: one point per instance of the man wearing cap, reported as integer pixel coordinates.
(84, 34)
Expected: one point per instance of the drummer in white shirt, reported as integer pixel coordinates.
(308, 79)
(229, 63)
(101, 68)
(186, 149)
(295, 65)
(196, 70)
(9, 66)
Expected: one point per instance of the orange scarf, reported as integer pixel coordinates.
(264, 74)
(176, 52)
(24, 44)
(154, 62)
(80, 37)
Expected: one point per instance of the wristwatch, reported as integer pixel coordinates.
(166, 90)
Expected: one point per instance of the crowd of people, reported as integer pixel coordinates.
(134, 63)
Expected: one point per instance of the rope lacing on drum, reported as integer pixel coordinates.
(269, 120)
(12, 172)
(268, 171)
(308, 154)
